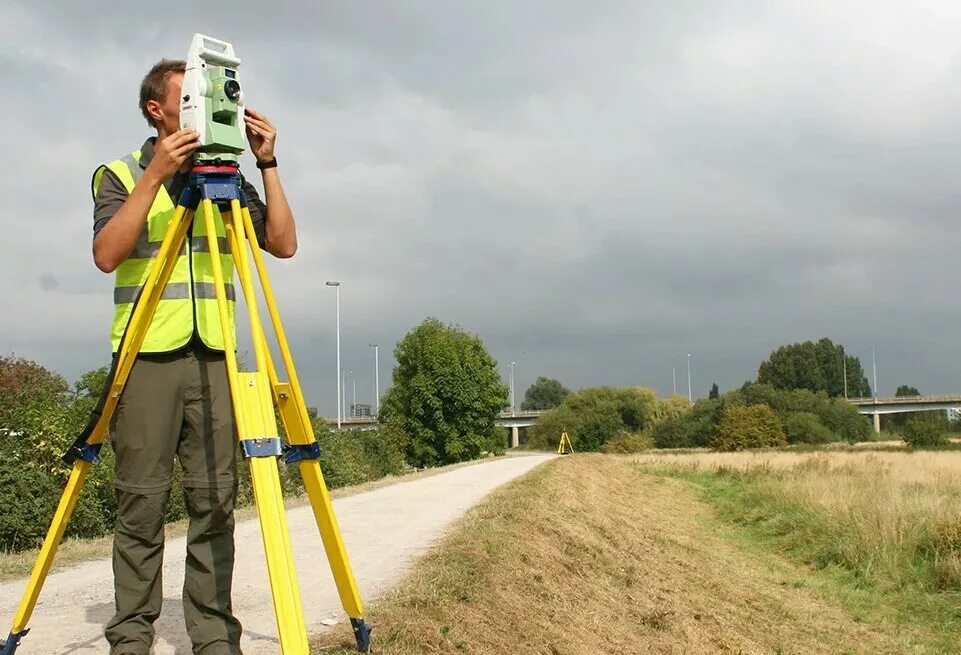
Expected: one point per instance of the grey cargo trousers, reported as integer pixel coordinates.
(175, 405)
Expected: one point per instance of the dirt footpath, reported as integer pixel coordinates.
(383, 530)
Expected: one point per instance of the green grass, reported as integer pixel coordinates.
(760, 510)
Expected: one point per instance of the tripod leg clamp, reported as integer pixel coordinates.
(88, 453)
(9, 647)
(261, 447)
(362, 634)
(300, 452)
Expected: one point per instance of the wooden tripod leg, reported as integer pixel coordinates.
(140, 319)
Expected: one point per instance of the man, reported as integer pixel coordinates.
(176, 402)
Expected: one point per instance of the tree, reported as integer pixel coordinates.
(922, 432)
(594, 415)
(751, 426)
(545, 393)
(445, 396)
(715, 392)
(817, 366)
(905, 391)
(896, 422)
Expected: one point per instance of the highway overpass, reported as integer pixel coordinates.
(513, 421)
(875, 407)
(901, 404)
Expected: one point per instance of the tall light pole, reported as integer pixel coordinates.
(690, 395)
(513, 364)
(343, 385)
(874, 362)
(353, 404)
(376, 377)
(336, 286)
(844, 358)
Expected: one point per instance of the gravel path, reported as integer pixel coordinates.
(384, 530)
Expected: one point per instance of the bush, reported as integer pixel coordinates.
(628, 442)
(28, 497)
(595, 415)
(694, 429)
(804, 427)
(753, 426)
(922, 432)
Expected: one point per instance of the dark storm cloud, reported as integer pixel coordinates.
(594, 188)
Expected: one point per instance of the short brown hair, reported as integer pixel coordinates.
(154, 85)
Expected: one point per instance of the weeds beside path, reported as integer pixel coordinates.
(588, 554)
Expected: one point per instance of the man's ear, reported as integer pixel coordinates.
(153, 108)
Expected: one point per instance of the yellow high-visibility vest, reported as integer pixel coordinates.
(189, 299)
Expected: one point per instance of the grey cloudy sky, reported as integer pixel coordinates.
(593, 188)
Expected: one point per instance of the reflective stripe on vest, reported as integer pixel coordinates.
(189, 300)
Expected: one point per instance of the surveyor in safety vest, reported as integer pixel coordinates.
(176, 403)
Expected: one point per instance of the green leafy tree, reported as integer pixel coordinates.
(805, 427)
(545, 393)
(923, 432)
(896, 422)
(595, 415)
(751, 426)
(445, 396)
(905, 390)
(817, 366)
(715, 392)
(692, 429)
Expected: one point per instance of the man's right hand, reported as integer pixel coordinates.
(171, 152)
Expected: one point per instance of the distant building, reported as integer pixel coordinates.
(360, 410)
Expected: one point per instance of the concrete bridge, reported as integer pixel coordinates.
(513, 421)
(901, 404)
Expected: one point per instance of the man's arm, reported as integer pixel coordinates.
(281, 233)
(116, 240)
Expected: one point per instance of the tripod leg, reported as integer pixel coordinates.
(133, 338)
(257, 431)
(293, 411)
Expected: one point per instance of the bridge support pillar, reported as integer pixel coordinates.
(515, 437)
(877, 423)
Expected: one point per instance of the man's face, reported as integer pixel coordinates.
(170, 107)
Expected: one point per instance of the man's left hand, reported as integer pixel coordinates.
(261, 134)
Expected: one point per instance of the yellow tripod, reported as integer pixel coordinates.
(564, 447)
(253, 408)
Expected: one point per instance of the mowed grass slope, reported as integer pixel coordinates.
(588, 554)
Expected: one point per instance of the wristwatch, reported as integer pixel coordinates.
(267, 164)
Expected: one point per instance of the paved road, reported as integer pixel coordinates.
(383, 529)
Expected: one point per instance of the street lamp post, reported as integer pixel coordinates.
(513, 364)
(336, 286)
(353, 404)
(376, 377)
(343, 388)
(690, 395)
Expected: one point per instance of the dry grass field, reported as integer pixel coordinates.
(883, 527)
(598, 554)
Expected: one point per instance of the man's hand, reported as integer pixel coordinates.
(171, 152)
(261, 134)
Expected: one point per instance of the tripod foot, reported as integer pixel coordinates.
(9, 647)
(361, 632)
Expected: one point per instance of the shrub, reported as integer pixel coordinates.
(694, 429)
(804, 427)
(628, 442)
(921, 432)
(752, 426)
